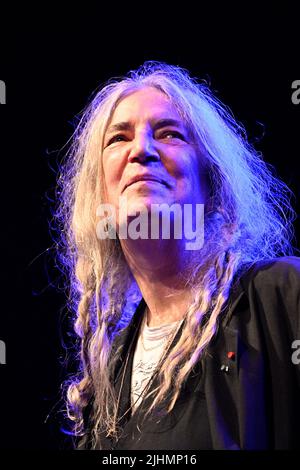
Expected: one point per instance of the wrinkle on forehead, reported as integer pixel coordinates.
(154, 103)
(156, 106)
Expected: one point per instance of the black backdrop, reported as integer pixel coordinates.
(50, 72)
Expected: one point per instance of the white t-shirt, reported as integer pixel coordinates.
(149, 349)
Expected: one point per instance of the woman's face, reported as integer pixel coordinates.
(149, 155)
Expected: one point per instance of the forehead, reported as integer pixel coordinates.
(148, 103)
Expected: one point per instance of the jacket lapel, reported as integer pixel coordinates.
(224, 390)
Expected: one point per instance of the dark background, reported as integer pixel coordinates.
(249, 56)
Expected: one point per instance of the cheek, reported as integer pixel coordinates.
(112, 173)
(113, 165)
(190, 176)
(200, 184)
(185, 166)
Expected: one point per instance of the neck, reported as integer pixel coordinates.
(159, 268)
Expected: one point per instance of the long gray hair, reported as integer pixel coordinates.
(248, 218)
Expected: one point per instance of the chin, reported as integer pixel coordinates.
(143, 204)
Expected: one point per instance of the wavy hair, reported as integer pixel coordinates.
(248, 218)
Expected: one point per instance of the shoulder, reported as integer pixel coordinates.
(282, 273)
(286, 268)
(273, 290)
(278, 274)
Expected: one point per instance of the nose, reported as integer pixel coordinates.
(143, 149)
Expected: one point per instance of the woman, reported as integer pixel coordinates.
(181, 347)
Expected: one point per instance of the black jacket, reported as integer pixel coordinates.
(249, 400)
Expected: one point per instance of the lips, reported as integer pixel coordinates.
(137, 178)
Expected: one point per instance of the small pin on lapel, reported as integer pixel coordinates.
(231, 355)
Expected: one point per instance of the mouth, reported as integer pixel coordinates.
(144, 179)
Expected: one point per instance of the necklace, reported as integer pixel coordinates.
(148, 385)
(158, 344)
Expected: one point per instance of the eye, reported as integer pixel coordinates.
(172, 135)
(116, 138)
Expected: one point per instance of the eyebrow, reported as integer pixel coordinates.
(127, 125)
